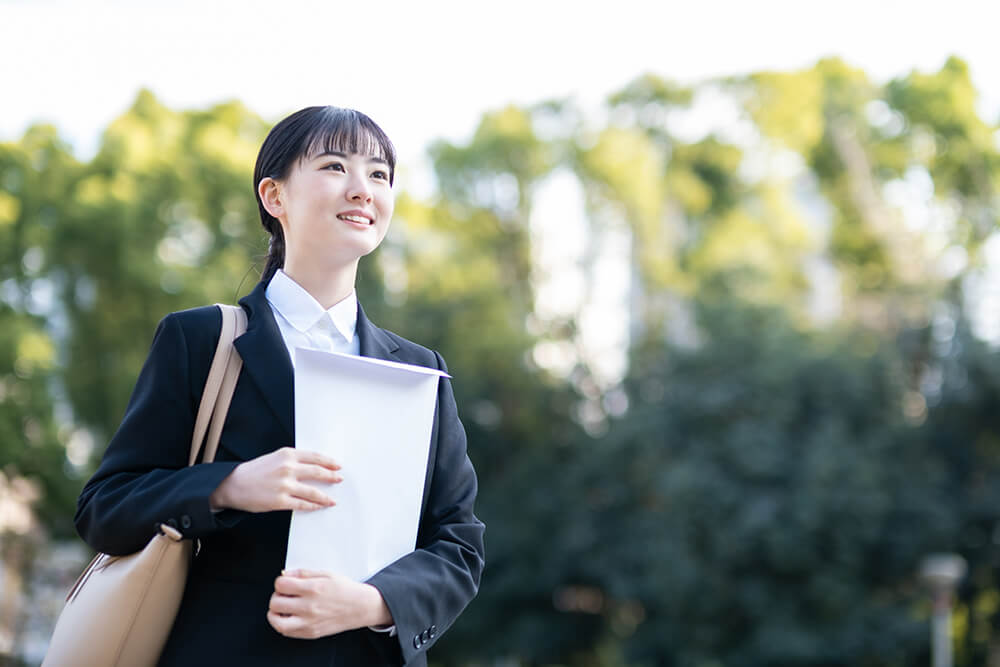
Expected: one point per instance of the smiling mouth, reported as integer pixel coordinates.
(357, 219)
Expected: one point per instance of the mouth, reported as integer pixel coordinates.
(356, 219)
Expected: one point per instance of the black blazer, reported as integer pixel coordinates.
(143, 481)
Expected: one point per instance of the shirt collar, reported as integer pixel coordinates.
(302, 311)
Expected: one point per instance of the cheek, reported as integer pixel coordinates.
(385, 226)
(385, 212)
(387, 207)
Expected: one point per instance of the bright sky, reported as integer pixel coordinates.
(427, 69)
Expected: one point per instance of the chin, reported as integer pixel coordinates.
(356, 251)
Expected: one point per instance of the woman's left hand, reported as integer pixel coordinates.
(308, 604)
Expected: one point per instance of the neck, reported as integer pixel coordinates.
(327, 286)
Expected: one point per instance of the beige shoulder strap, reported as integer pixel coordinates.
(219, 386)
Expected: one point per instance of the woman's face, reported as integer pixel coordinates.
(334, 207)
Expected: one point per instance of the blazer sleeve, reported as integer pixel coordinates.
(143, 479)
(428, 588)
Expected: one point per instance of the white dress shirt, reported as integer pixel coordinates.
(304, 323)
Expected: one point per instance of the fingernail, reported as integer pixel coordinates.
(338, 479)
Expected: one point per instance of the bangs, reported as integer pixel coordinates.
(348, 131)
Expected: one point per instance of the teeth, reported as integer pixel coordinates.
(355, 218)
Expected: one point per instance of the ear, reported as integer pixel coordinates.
(270, 195)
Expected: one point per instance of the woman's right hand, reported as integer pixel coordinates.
(276, 481)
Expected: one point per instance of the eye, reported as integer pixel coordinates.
(334, 166)
(381, 175)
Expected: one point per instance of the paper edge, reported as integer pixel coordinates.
(353, 358)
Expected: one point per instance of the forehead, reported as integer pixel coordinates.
(356, 140)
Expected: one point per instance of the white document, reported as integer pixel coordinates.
(374, 418)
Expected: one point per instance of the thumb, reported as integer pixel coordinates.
(304, 574)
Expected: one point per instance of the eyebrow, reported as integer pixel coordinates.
(373, 158)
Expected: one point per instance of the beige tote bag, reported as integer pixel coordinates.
(120, 610)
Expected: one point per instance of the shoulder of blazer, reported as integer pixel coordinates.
(200, 326)
(195, 334)
(413, 353)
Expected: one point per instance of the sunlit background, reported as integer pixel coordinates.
(718, 282)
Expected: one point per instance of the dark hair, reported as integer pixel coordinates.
(305, 133)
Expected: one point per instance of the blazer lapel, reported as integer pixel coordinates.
(265, 358)
(375, 343)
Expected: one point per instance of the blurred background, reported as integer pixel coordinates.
(719, 287)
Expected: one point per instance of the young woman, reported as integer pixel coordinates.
(324, 188)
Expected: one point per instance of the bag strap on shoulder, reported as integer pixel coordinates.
(219, 386)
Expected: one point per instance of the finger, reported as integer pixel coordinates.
(300, 505)
(310, 494)
(285, 625)
(319, 473)
(290, 586)
(287, 604)
(306, 574)
(306, 456)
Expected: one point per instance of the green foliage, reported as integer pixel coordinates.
(947, 136)
(30, 442)
(758, 490)
(160, 220)
(33, 173)
(756, 503)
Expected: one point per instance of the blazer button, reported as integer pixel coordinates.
(172, 523)
(424, 636)
(433, 632)
(416, 641)
(185, 521)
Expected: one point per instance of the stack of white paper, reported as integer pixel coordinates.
(374, 418)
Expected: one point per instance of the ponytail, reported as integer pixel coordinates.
(275, 252)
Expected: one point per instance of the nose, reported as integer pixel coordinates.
(359, 190)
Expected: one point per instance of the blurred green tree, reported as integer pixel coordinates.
(804, 414)
(34, 173)
(162, 218)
